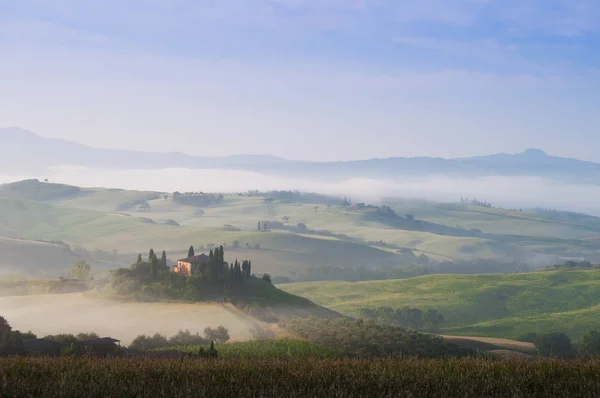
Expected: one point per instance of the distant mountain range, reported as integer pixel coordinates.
(25, 152)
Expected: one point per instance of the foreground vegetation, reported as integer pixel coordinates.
(367, 339)
(506, 306)
(298, 378)
(265, 350)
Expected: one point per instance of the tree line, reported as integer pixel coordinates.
(475, 202)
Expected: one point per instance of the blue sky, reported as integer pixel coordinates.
(319, 80)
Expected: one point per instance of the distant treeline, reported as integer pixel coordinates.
(475, 202)
(574, 265)
(197, 199)
(298, 197)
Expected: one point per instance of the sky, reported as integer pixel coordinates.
(310, 80)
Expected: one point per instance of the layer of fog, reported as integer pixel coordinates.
(74, 313)
(508, 192)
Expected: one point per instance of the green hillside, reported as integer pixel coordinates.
(131, 221)
(506, 306)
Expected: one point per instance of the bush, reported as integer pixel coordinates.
(554, 345)
(144, 343)
(220, 334)
(186, 338)
(589, 346)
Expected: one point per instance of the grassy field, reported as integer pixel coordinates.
(479, 305)
(299, 378)
(74, 313)
(267, 350)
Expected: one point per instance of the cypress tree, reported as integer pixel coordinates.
(191, 251)
(249, 268)
(151, 255)
(212, 352)
(139, 259)
(154, 268)
(163, 259)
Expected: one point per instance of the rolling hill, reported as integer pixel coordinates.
(130, 222)
(507, 306)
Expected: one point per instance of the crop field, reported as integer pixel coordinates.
(507, 306)
(266, 349)
(66, 377)
(75, 313)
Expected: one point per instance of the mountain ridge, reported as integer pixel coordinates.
(46, 152)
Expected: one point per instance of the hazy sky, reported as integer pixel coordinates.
(320, 79)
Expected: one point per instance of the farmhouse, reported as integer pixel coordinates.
(186, 266)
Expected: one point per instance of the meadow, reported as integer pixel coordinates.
(508, 306)
(64, 377)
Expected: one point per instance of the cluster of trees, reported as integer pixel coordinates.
(559, 345)
(153, 265)
(68, 339)
(12, 340)
(197, 199)
(237, 244)
(213, 279)
(574, 265)
(297, 197)
(475, 202)
(81, 270)
(142, 342)
(413, 318)
(366, 338)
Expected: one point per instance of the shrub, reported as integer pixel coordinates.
(589, 346)
(554, 345)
